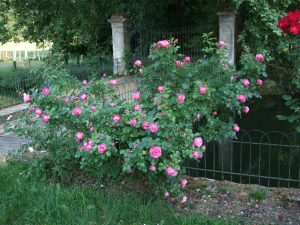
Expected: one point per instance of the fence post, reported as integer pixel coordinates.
(120, 42)
(227, 34)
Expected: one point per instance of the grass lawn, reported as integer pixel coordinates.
(6, 68)
(26, 200)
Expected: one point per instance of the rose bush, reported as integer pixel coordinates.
(177, 110)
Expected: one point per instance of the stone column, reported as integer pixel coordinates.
(120, 42)
(227, 33)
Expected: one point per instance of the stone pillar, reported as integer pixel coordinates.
(227, 33)
(120, 42)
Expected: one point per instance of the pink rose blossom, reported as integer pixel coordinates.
(136, 96)
(26, 98)
(187, 59)
(93, 108)
(38, 112)
(203, 147)
(164, 43)
(259, 57)
(241, 98)
(246, 109)
(88, 147)
(31, 109)
(116, 118)
(104, 75)
(196, 155)
(46, 118)
(259, 82)
(184, 182)
(246, 82)
(166, 194)
(67, 99)
(221, 44)
(113, 82)
(197, 142)
(170, 171)
(214, 113)
(138, 63)
(84, 82)
(112, 104)
(145, 125)
(132, 122)
(160, 89)
(137, 107)
(202, 90)
(155, 152)
(179, 63)
(46, 91)
(79, 135)
(102, 148)
(76, 111)
(80, 148)
(153, 128)
(183, 200)
(152, 168)
(180, 98)
(92, 129)
(83, 97)
(236, 128)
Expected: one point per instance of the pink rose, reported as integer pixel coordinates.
(88, 147)
(152, 168)
(76, 111)
(116, 118)
(80, 148)
(132, 122)
(84, 82)
(31, 109)
(187, 59)
(259, 57)
(214, 113)
(46, 118)
(136, 96)
(112, 104)
(241, 98)
(102, 148)
(179, 63)
(203, 147)
(221, 44)
(196, 155)
(180, 98)
(138, 63)
(170, 171)
(183, 200)
(113, 82)
(137, 107)
(259, 82)
(160, 89)
(104, 75)
(184, 182)
(93, 108)
(92, 129)
(145, 125)
(246, 109)
(79, 135)
(155, 152)
(245, 82)
(236, 128)
(166, 194)
(38, 112)
(26, 98)
(202, 90)
(164, 44)
(46, 91)
(67, 99)
(153, 128)
(197, 142)
(83, 97)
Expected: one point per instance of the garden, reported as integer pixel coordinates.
(173, 126)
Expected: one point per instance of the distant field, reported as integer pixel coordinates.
(7, 69)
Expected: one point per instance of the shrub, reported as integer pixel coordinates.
(179, 107)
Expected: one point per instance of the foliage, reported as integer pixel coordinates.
(24, 199)
(259, 194)
(290, 47)
(179, 108)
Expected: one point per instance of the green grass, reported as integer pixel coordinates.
(7, 70)
(27, 201)
(259, 194)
